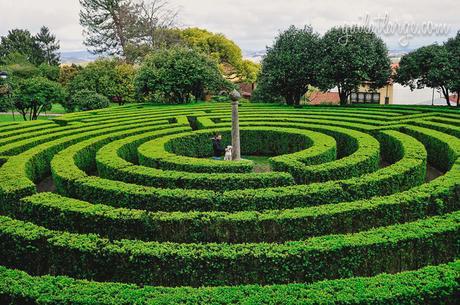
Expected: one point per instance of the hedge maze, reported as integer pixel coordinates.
(137, 212)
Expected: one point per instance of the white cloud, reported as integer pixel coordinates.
(252, 24)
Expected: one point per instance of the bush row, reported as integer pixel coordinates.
(400, 176)
(433, 285)
(65, 131)
(19, 172)
(111, 163)
(392, 249)
(159, 153)
(365, 158)
(56, 212)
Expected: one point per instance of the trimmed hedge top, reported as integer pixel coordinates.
(130, 194)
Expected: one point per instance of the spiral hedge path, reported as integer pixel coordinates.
(142, 215)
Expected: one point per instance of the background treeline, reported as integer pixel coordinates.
(347, 57)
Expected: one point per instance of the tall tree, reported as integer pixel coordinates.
(38, 49)
(20, 42)
(290, 65)
(428, 66)
(453, 48)
(352, 56)
(48, 45)
(120, 27)
(226, 52)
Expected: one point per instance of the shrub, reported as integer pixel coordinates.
(87, 100)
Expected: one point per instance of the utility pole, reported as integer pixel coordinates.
(236, 152)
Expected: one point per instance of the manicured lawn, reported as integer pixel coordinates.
(17, 118)
(261, 163)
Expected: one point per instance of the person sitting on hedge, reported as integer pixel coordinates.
(217, 146)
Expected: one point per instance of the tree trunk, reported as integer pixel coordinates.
(297, 100)
(119, 30)
(445, 92)
(289, 99)
(343, 98)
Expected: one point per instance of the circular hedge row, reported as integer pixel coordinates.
(356, 197)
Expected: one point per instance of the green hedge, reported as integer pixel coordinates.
(433, 285)
(362, 156)
(437, 146)
(408, 172)
(112, 163)
(20, 171)
(390, 249)
(53, 211)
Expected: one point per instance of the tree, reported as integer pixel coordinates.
(34, 95)
(119, 27)
(291, 64)
(18, 67)
(175, 75)
(263, 93)
(38, 49)
(109, 77)
(86, 100)
(67, 73)
(453, 48)
(20, 42)
(427, 66)
(6, 102)
(49, 72)
(227, 53)
(250, 71)
(49, 46)
(351, 56)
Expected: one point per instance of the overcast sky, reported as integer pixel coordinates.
(252, 24)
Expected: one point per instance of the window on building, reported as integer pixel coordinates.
(365, 97)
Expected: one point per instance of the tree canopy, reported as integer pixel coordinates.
(429, 66)
(86, 100)
(128, 28)
(225, 51)
(109, 77)
(39, 49)
(351, 56)
(290, 65)
(175, 75)
(49, 46)
(34, 95)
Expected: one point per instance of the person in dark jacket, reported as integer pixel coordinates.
(217, 146)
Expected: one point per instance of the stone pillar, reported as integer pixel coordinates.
(236, 152)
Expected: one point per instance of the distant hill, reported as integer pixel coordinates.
(77, 57)
(81, 57)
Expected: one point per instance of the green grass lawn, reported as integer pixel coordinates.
(261, 163)
(57, 108)
(18, 118)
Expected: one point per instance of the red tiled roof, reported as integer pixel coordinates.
(324, 97)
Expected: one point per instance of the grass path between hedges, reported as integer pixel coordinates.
(261, 163)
